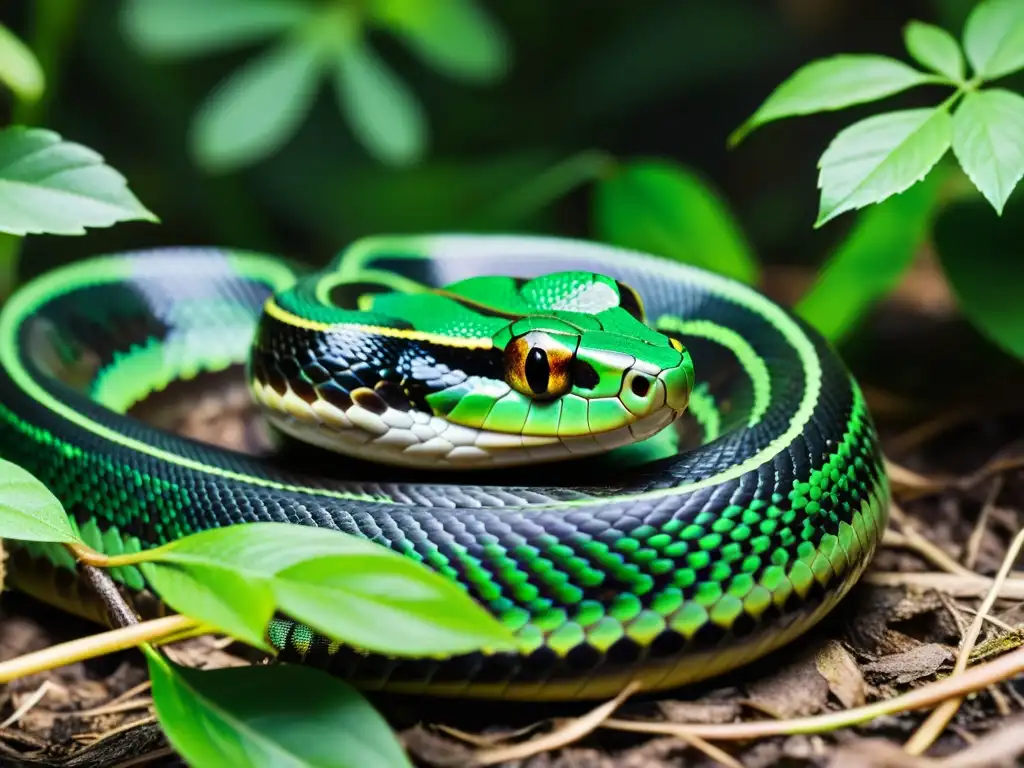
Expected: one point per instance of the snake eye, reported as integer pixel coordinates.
(537, 364)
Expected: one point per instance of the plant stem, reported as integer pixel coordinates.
(158, 630)
(10, 247)
(556, 181)
(52, 24)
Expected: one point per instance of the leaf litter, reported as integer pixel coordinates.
(959, 488)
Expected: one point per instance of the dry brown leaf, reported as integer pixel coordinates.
(902, 668)
(840, 670)
(798, 689)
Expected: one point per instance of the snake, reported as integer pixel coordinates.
(647, 471)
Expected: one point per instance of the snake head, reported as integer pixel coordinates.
(573, 384)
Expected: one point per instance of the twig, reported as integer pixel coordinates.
(83, 648)
(573, 731)
(990, 619)
(26, 705)
(951, 583)
(937, 720)
(709, 749)
(974, 679)
(974, 540)
(911, 539)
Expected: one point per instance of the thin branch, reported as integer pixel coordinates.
(937, 721)
(95, 645)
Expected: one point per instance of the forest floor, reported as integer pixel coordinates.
(940, 588)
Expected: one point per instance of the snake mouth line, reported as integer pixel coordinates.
(414, 438)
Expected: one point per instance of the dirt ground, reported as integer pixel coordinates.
(959, 492)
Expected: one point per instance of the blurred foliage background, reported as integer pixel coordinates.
(369, 116)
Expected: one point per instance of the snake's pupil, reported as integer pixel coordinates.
(537, 370)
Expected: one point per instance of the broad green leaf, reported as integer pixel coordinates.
(994, 38)
(192, 27)
(934, 48)
(236, 603)
(19, 68)
(321, 577)
(456, 37)
(262, 549)
(662, 208)
(384, 114)
(28, 511)
(980, 254)
(56, 187)
(387, 605)
(256, 717)
(834, 83)
(871, 259)
(258, 108)
(988, 140)
(880, 156)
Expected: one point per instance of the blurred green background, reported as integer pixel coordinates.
(666, 78)
(505, 116)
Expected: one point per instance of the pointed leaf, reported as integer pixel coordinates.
(994, 38)
(833, 83)
(257, 717)
(935, 48)
(19, 67)
(988, 140)
(330, 581)
(871, 259)
(171, 28)
(456, 37)
(384, 114)
(393, 606)
(236, 604)
(662, 208)
(28, 511)
(258, 108)
(880, 156)
(52, 186)
(980, 254)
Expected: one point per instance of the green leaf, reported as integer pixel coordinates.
(28, 511)
(994, 38)
(834, 83)
(456, 37)
(980, 254)
(934, 48)
(870, 261)
(52, 186)
(661, 208)
(240, 605)
(330, 581)
(387, 605)
(19, 67)
(880, 156)
(172, 28)
(384, 114)
(257, 717)
(258, 107)
(988, 140)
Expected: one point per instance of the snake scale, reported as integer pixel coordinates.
(649, 472)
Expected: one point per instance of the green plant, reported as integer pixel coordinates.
(885, 154)
(233, 580)
(257, 108)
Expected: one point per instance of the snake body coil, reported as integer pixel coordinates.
(673, 548)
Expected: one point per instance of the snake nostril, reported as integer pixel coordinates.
(640, 386)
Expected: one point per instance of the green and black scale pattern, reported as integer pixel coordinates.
(669, 571)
